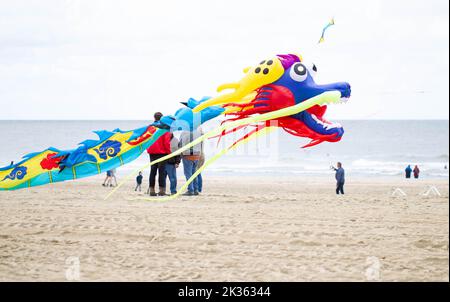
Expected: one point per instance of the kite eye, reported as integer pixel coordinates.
(312, 68)
(298, 72)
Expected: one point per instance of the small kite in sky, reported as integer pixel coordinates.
(331, 23)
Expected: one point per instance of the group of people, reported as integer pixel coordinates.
(415, 171)
(192, 159)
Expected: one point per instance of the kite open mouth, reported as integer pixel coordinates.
(314, 120)
(314, 117)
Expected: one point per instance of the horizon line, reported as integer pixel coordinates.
(138, 120)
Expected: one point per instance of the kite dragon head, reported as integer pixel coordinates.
(280, 82)
(296, 85)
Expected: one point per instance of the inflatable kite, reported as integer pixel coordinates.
(279, 92)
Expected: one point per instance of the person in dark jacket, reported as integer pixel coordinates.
(416, 172)
(172, 164)
(408, 171)
(138, 182)
(340, 178)
(160, 148)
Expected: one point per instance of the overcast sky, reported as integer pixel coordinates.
(126, 59)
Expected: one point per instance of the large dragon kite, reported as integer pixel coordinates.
(278, 92)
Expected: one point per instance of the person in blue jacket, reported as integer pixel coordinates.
(340, 178)
(408, 171)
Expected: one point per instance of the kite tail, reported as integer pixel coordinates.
(226, 132)
(112, 149)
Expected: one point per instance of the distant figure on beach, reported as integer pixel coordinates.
(340, 178)
(139, 182)
(160, 148)
(416, 172)
(108, 179)
(408, 171)
(190, 159)
(172, 164)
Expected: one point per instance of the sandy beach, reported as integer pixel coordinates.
(240, 229)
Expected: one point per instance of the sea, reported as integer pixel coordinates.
(369, 148)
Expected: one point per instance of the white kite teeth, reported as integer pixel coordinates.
(326, 126)
(344, 99)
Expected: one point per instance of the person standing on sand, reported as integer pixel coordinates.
(416, 172)
(190, 159)
(200, 163)
(160, 148)
(408, 171)
(139, 182)
(172, 165)
(108, 179)
(340, 178)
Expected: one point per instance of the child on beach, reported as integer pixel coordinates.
(138, 182)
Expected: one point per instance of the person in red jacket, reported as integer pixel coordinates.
(159, 149)
(416, 172)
